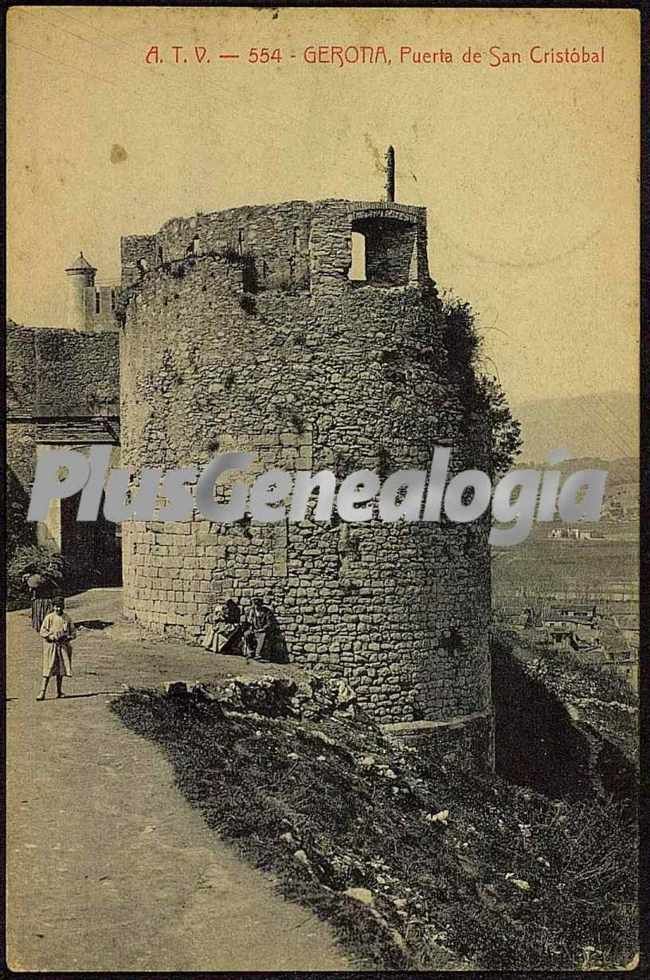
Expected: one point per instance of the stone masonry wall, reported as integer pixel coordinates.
(55, 372)
(105, 297)
(289, 244)
(277, 237)
(467, 741)
(342, 377)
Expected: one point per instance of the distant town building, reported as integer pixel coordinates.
(577, 612)
(622, 503)
(575, 534)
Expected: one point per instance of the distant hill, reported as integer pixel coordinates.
(603, 426)
(621, 472)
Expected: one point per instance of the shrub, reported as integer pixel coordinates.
(488, 398)
(463, 344)
(460, 335)
(33, 559)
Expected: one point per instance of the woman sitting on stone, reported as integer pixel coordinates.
(224, 630)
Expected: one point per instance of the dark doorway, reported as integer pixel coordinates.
(92, 549)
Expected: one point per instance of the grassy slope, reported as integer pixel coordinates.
(333, 805)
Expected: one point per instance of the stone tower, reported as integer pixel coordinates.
(88, 307)
(81, 279)
(243, 329)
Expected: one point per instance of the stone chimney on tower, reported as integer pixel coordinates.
(390, 175)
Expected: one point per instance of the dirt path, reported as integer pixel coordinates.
(108, 867)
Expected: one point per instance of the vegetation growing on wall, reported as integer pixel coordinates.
(463, 343)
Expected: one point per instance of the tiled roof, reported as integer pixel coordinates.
(81, 262)
(78, 431)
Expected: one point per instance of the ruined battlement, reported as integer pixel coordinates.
(322, 246)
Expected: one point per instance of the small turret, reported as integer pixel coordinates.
(81, 277)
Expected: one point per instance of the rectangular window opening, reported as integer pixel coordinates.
(357, 271)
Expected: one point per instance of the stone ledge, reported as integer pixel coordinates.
(422, 727)
(464, 741)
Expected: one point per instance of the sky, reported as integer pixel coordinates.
(529, 172)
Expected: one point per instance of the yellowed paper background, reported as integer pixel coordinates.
(529, 172)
